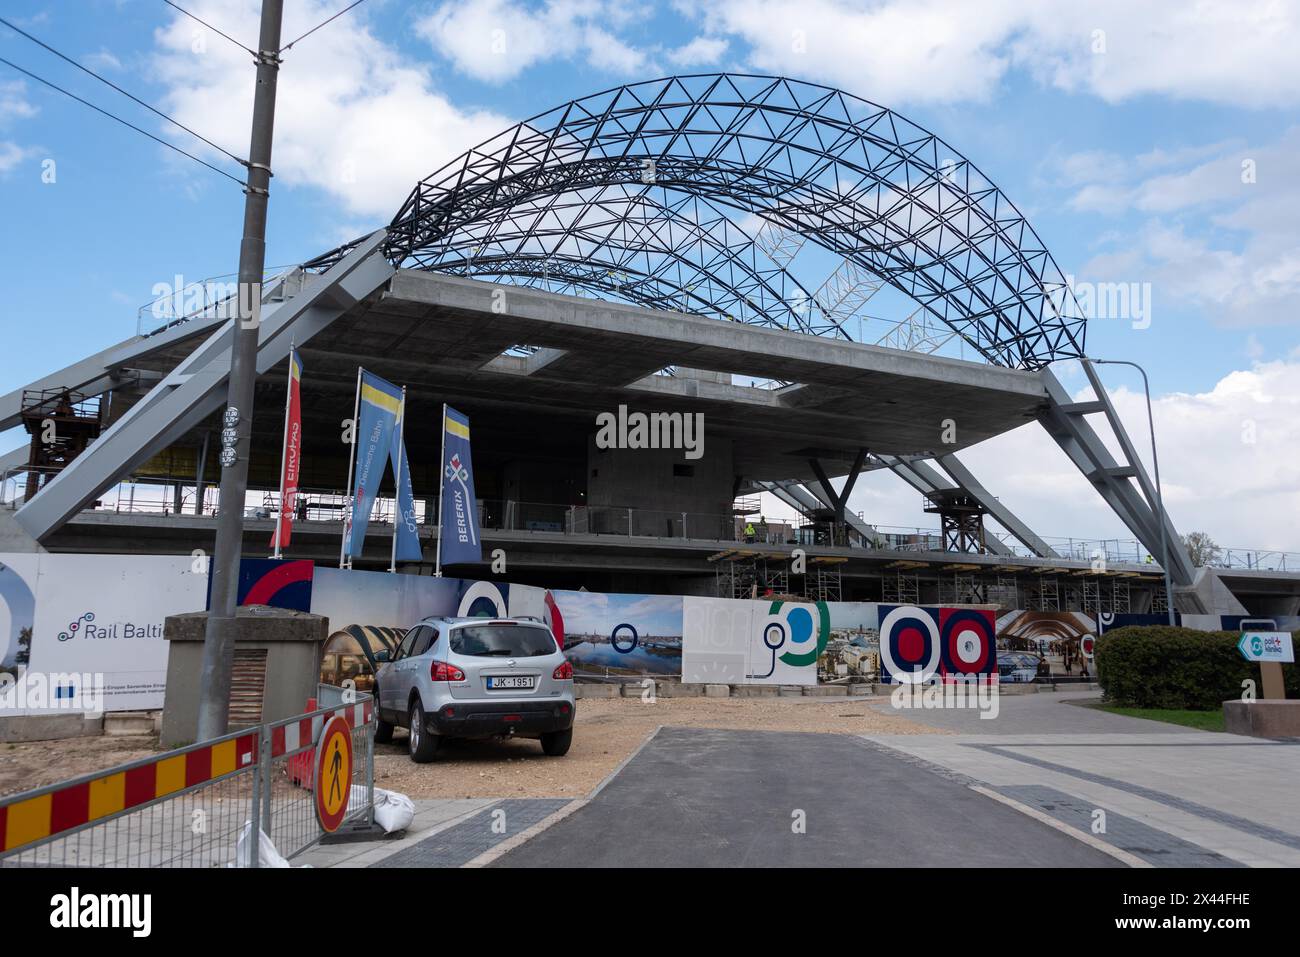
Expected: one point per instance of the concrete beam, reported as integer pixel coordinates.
(194, 389)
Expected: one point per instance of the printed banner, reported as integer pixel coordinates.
(405, 527)
(278, 582)
(737, 641)
(377, 409)
(96, 638)
(614, 636)
(458, 533)
(291, 465)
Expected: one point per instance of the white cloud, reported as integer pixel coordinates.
(1239, 52)
(701, 51)
(14, 104)
(11, 154)
(103, 60)
(353, 116)
(1227, 464)
(496, 40)
(1219, 226)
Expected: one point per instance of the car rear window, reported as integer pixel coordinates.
(502, 641)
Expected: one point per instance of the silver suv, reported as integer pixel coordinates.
(476, 678)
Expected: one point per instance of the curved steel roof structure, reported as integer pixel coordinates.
(695, 192)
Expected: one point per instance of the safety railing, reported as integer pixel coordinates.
(198, 806)
(162, 496)
(215, 297)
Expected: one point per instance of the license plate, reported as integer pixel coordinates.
(512, 681)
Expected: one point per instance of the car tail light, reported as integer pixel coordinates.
(441, 671)
(563, 673)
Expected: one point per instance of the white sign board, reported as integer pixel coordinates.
(102, 615)
(1266, 646)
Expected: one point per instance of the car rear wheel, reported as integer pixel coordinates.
(556, 743)
(383, 730)
(423, 745)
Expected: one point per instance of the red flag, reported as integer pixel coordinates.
(292, 464)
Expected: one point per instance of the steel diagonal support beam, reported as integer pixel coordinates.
(925, 479)
(838, 500)
(196, 388)
(806, 501)
(1065, 422)
(1003, 515)
(101, 372)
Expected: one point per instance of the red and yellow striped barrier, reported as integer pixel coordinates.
(28, 820)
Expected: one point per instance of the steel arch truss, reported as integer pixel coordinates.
(854, 178)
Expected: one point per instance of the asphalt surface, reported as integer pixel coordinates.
(705, 798)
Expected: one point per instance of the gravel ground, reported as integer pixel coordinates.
(608, 730)
(35, 764)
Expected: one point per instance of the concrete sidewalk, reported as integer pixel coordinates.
(1170, 795)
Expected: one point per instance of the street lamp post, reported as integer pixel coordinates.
(1155, 463)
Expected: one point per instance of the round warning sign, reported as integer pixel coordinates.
(333, 773)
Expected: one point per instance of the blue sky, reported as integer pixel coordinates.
(1119, 129)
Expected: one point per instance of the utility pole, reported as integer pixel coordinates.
(219, 639)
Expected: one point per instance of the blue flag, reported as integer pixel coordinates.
(404, 524)
(378, 404)
(458, 532)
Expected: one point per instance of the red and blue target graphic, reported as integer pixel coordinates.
(280, 583)
(909, 643)
(918, 644)
(969, 639)
(478, 599)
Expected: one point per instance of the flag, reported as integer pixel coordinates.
(458, 539)
(291, 465)
(378, 405)
(404, 524)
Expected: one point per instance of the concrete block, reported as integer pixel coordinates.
(825, 691)
(1269, 718)
(791, 691)
(861, 690)
(755, 691)
(635, 689)
(47, 727)
(677, 689)
(717, 691)
(595, 690)
(128, 722)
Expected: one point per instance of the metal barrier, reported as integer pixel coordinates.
(198, 806)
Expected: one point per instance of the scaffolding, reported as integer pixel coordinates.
(904, 588)
(62, 423)
(744, 573)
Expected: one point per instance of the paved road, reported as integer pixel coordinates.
(695, 798)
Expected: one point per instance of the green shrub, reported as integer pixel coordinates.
(1162, 667)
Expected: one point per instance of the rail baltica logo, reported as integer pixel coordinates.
(85, 627)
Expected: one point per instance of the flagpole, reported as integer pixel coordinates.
(284, 452)
(347, 514)
(442, 475)
(401, 454)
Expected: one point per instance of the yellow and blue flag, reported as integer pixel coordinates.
(458, 534)
(378, 405)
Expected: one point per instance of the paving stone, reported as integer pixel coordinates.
(465, 841)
